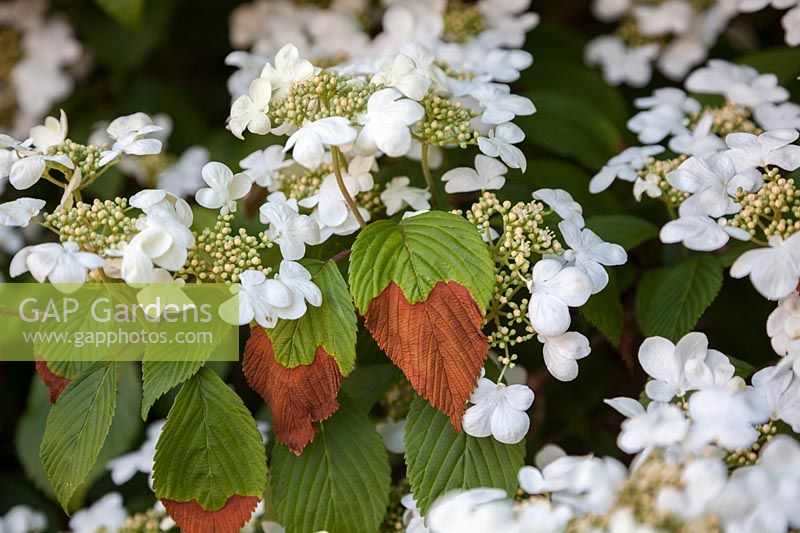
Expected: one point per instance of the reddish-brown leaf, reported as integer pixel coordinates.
(437, 343)
(55, 383)
(192, 518)
(297, 397)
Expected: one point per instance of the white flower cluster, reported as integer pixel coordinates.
(713, 454)
(37, 53)
(728, 178)
(528, 258)
(675, 35)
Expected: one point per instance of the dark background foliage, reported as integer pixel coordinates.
(170, 59)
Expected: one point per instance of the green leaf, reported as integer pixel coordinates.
(626, 230)
(416, 254)
(782, 61)
(604, 310)
(340, 482)
(440, 460)
(568, 126)
(76, 429)
(29, 432)
(126, 12)
(159, 377)
(671, 305)
(331, 325)
(210, 448)
(366, 384)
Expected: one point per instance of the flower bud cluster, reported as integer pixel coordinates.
(729, 118)
(85, 158)
(446, 123)
(327, 94)
(524, 235)
(749, 456)
(95, 227)
(146, 522)
(462, 22)
(772, 210)
(656, 170)
(222, 253)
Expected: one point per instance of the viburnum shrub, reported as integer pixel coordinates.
(395, 253)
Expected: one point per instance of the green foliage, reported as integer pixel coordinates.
(76, 429)
(416, 254)
(439, 459)
(783, 62)
(159, 377)
(331, 325)
(340, 482)
(126, 12)
(604, 310)
(671, 301)
(626, 230)
(568, 126)
(367, 383)
(210, 448)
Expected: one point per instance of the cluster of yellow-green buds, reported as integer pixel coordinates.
(774, 209)
(95, 227)
(515, 247)
(446, 123)
(222, 253)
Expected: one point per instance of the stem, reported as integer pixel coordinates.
(426, 170)
(45, 226)
(54, 181)
(343, 189)
(341, 255)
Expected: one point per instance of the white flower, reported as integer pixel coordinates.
(665, 362)
(499, 410)
(778, 116)
(392, 432)
(399, 194)
(162, 203)
(499, 105)
(264, 166)
(386, 123)
(500, 143)
(27, 171)
(738, 83)
(700, 233)
(310, 141)
(129, 133)
(23, 519)
(488, 174)
(623, 166)
(770, 148)
(588, 253)
(650, 186)
(554, 289)
(224, 188)
(654, 125)
(20, 212)
(661, 425)
(291, 230)
(562, 352)
(407, 72)
(783, 325)
(249, 111)
(763, 497)
(412, 519)
(780, 388)
(715, 370)
(162, 241)
(184, 177)
(774, 271)
(670, 17)
(53, 132)
(562, 203)
(621, 64)
(60, 263)
(480, 510)
(791, 25)
(298, 280)
(124, 467)
(699, 141)
(257, 299)
(332, 209)
(107, 514)
(703, 480)
(610, 10)
(289, 69)
(711, 179)
(726, 418)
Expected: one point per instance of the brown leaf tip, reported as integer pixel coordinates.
(55, 384)
(438, 343)
(192, 518)
(297, 397)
